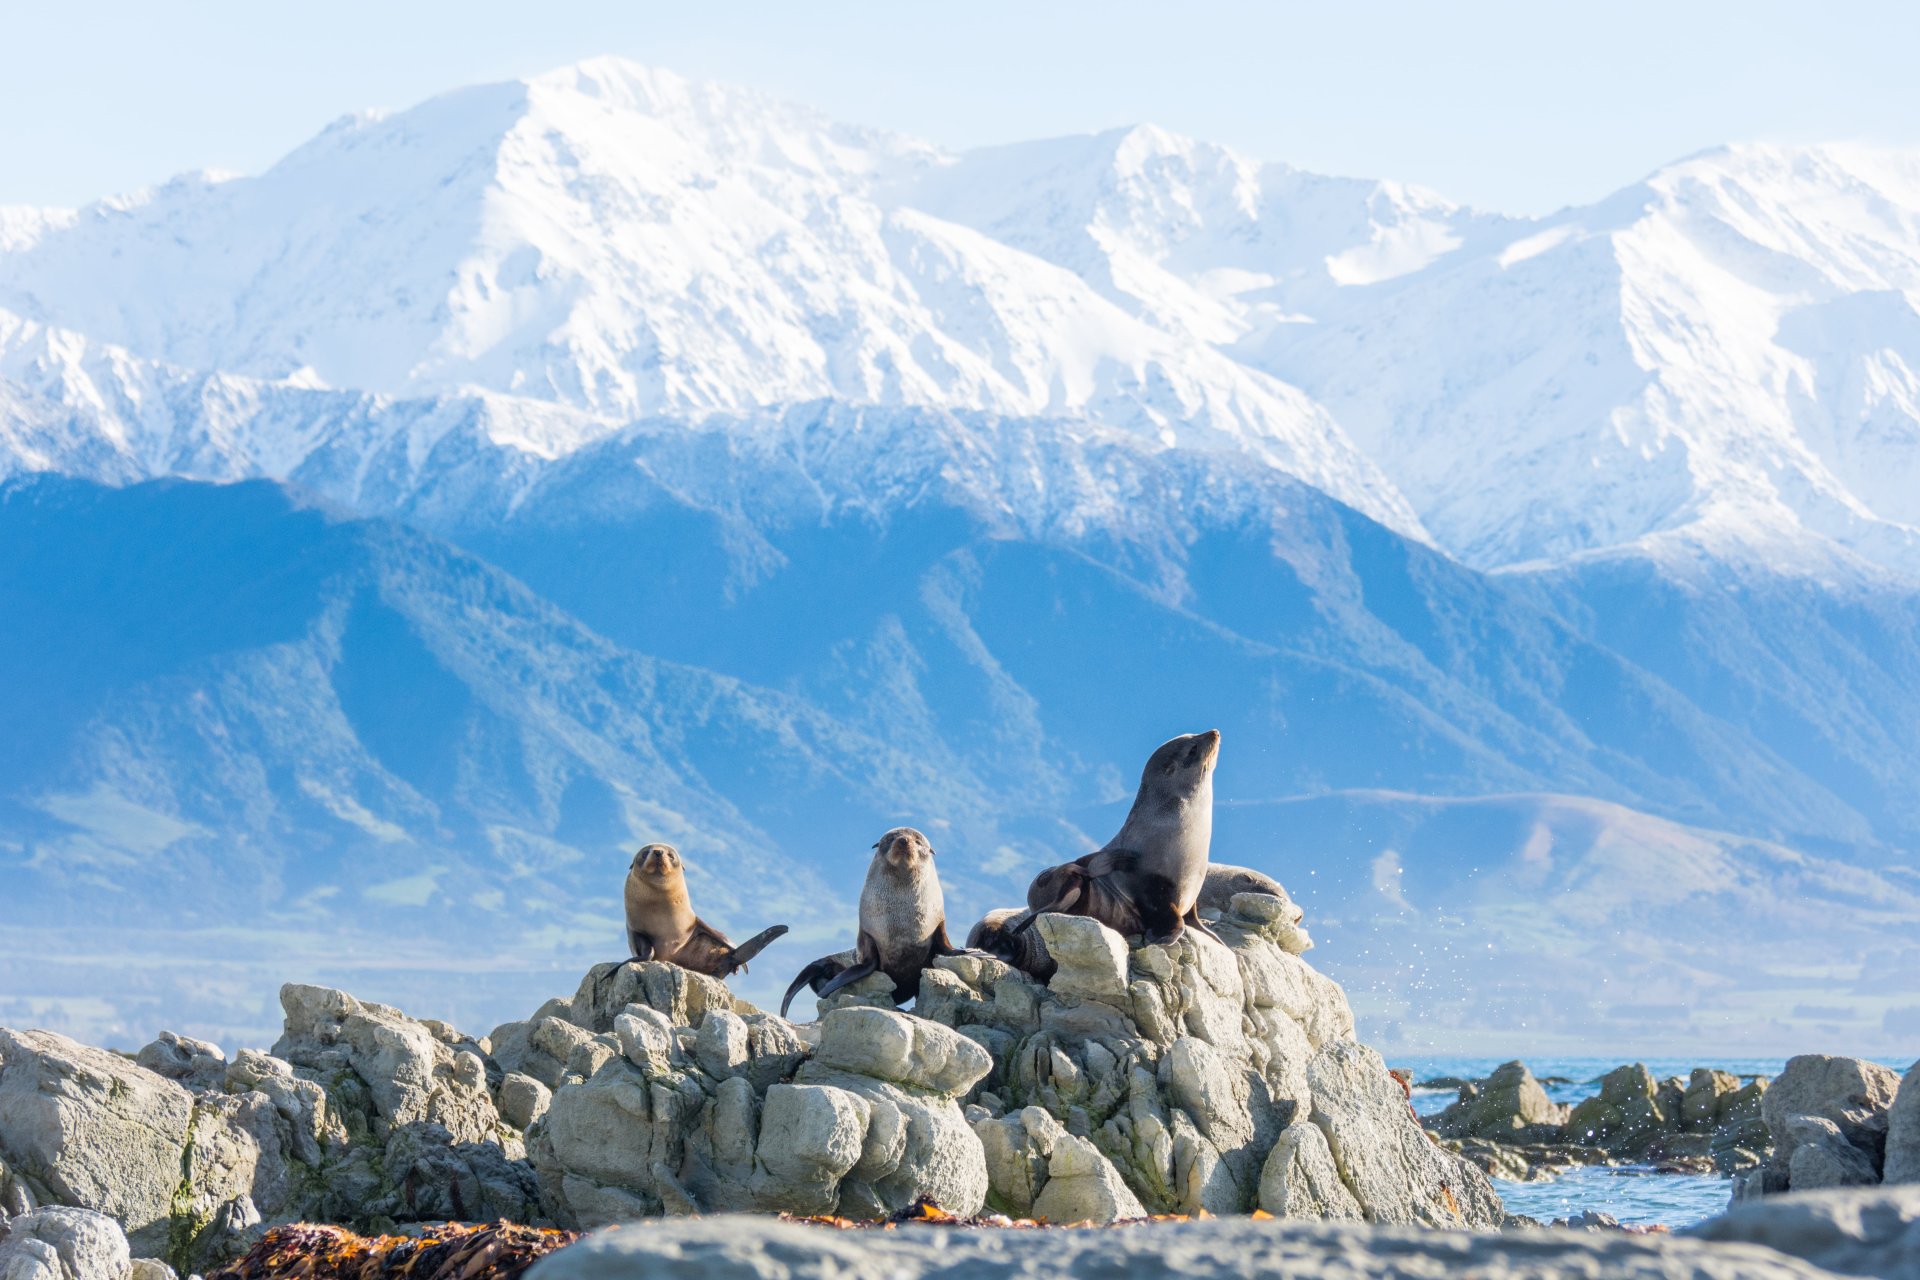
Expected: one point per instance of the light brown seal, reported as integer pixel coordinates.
(661, 924)
(903, 923)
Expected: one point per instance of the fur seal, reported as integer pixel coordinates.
(1147, 879)
(661, 924)
(1000, 932)
(903, 923)
(1223, 881)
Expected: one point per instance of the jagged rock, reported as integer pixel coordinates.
(411, 1075)
(1090, 960)
(151, 1269)
(1903, 1131)
(1851, 1095)
(1301, 1180)
(1509, 1105)
(811, 1136)
(60, 1243)
(1384, 1157)
(1624, 1115)
(1820, 1156)
(194, 1063)
(749, 1248)
(1083, 1186)
(86, 1128)
(1018, 1150)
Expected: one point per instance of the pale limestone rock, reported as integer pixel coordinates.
(59, 1243)
(810, 1137)
(1091, 959)
(523, 1100)
(1855, 1096)
(1821, 1158)
(1396, 1173)
(1903, 1131)
(1300, 1179)
(1083, 1186)
(898, 1047)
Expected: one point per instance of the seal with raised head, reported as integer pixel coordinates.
(903, 923)
(661, 924)
(1147, 879)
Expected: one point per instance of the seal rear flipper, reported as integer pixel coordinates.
(754, 946)
(846, 978)
(813, 975)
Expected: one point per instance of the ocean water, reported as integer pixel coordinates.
(1634, 1194)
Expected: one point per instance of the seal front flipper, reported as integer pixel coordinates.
(754, 946)
(640, 945)
(1193, 918)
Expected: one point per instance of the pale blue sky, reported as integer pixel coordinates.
(1509, 106)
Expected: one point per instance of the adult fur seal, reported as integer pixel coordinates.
(1002, 932)
(661, 924)
(903, 923)
(1147, 879)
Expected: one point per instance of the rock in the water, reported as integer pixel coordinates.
(1903, 1131)
(1626, 1113)
(58, 1243)
(1852, 1097)
(1510, 1105)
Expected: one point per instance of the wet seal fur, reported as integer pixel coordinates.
(903, 923)
(661, 924)
(1147, 880)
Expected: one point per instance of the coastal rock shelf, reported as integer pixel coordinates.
(1176, 1079)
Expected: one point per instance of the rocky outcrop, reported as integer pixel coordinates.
(1211, 1075)
(1508, 1126)
(1508, 1106)
(1829, 1119)
(360, 1115)
(1152, 1080)
(1811, 1237)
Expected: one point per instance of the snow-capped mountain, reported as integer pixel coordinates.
(687, 462)
(1729, 350)
(623, 242)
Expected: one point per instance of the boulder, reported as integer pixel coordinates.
(1851, 1096)
(59, 1243)
(1510, 1105)
(85, 1128)
(1300, 1179)
(1903, 1131)
(1384, 1157)
(1625, 1114)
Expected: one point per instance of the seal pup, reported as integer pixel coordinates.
(661, 924)
(1147, 879)
(903, 923)
(1024, 949)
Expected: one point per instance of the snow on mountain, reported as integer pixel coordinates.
(1726, 351)
(623, 242)
(1190, 235)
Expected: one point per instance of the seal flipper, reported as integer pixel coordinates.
(847, 977)
(753, 946)
(640, 945)
(812, 976)
(1193, 918)
(1160, 924)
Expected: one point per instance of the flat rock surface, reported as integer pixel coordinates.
(739, 1248)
